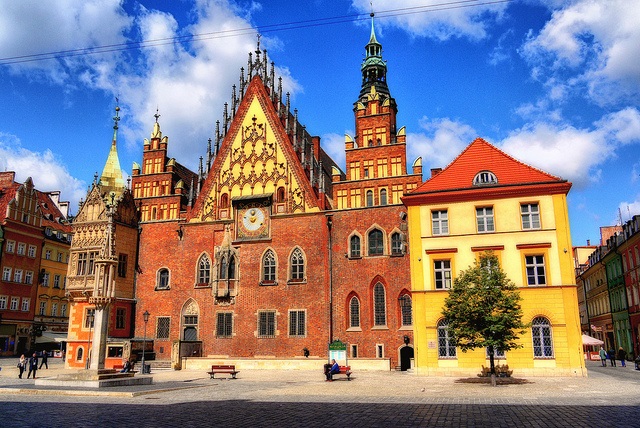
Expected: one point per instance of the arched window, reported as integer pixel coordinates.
(204, 270)
(369, 198)
(383, 197)
(80, 353)
(227, 267)
(446, 345)
(379, 305)
(354, 246)
(162, 279)
(232, 267)
(396, 244)
(224, 200)
(354, 312)
(376, 244)
(269, 267)
(280, 194)
(484, 178)
(405, 310)
(297, 265)
(542, 343)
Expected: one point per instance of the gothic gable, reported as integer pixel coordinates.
(256, 159)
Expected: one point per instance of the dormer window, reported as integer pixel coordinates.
(484, 177)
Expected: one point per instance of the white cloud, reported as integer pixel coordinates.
(333, 145)
(45, 169)
(66, 25)
(592, 46)
(627, 210)
(441, 140)
(433, 18)
(573, 153)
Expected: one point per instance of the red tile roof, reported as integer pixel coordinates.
(480, 156)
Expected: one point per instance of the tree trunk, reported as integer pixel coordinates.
(493, 366)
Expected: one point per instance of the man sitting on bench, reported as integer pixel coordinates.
(334, 369)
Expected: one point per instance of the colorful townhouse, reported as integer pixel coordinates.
(486, 200)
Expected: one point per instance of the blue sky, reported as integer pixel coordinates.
(553, 83)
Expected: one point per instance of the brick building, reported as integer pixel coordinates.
(271, 251)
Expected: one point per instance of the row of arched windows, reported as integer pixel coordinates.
(379, 308)
(228, 268)
(375, 244)
(540, 332)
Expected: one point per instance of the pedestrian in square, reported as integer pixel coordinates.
(622, 356)
(44, 360)
(33, 365)
(603, 357)
(611, 354)
(22, 365)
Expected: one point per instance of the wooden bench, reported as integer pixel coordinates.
(344, 370)
(228, 369)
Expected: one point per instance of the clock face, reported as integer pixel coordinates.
(253, 219)
(253, 223)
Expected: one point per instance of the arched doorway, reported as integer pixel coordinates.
(406, 354)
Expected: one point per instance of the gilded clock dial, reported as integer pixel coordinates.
(253, 218)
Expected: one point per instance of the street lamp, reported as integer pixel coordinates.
(145, 316)
(90, 316)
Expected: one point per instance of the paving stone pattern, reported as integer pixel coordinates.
(608, 397)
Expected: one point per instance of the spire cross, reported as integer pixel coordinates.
(157, 115)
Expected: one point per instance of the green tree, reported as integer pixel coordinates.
(483, 309)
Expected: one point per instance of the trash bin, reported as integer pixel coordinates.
(146, 369)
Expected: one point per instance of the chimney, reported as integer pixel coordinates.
(588, 242)
(435, 171)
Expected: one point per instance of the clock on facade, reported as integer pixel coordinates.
(253, 223)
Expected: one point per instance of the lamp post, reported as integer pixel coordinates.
(145, 316)
(90, 317)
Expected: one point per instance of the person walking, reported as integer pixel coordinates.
(22, 365)
(33, 365)
(622, 356)
(612, 356)
(44, 360)
(603, 357)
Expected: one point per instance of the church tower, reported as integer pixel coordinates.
(376, 157)
(101, 271)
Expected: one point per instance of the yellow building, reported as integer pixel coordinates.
(52, 310)
(487, 201)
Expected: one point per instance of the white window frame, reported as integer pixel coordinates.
(17, 276)
(11, 246)
(22, 249)
(536, 270)
(28, 277)
(530, 215)
(6, 274)
(439, 222)
(26, 303)
(31, 252)
(56, 281)
(4, 301)
(442, 269)
(43, 308)
(15, 302)
(446, 347)
(542, 337)
(485, 221)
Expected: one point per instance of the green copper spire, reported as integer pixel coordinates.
(374, 68)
